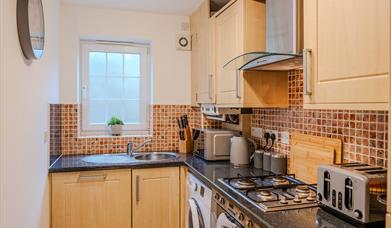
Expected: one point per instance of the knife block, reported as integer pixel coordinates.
(186, 146)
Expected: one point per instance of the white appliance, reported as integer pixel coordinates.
(241, 151)
(198, 204)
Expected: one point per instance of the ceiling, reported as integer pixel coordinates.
(176, 7)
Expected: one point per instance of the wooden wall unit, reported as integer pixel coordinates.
(156, 195)
(349, 65)
(240, 28)
(98, 199)
(202, 67)
(237, 28)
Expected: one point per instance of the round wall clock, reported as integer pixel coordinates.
(31, 28)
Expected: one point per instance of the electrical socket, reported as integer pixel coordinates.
(256, 132)
(272, 132)
(285, 137)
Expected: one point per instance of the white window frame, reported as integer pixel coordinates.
(142, 129)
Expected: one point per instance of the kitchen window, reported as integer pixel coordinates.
(115, 81)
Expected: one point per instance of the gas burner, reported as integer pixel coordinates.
(302, 191)
(262, 195)
(273, 193)
(277, 181)
(243, 183)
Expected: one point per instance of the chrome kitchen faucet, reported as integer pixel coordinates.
(131, 150)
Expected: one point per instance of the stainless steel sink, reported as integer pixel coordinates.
(124, 158)
(155, 156)
(108, 158)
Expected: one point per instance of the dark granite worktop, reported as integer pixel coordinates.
(74, 163)
(209, 172)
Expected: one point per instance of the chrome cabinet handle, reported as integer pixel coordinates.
(137, 188)
(210, 76)
(238, 92)
(307, 68)
(91, 178)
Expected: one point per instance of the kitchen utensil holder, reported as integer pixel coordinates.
(186, 146)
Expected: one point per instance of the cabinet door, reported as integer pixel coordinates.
(229, 44)
(206, 76)
(194, 29)
(156, 197)
(91, 199)
(203, 54)
(349, 63)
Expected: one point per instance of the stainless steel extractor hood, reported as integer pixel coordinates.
(284, 39)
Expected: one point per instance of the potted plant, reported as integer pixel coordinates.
(116, 125)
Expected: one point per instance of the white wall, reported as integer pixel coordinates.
(26, 89)
(171, 67)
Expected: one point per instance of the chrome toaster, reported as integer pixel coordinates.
(353, 190)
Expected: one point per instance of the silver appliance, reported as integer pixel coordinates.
(273, 192)
(227, 214)
(284, 39)
(214, 144)
(353, 190)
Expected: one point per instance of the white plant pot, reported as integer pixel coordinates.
(116, 130)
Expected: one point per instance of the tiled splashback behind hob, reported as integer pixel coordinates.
(364, 133)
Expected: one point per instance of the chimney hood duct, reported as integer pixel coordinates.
(284, 40)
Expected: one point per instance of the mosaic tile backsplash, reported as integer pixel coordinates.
(364, 133)
(164, 135)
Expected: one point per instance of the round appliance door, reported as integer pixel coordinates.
(194, 215)
(226, 221)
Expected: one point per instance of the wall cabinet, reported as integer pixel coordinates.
(91, 199)
(237, 28)
(240, 28)
(202, 67)
(156, 195)
(349, 65)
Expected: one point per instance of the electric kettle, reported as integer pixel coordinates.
(242, 149)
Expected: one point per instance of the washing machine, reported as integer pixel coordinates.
(199, 203)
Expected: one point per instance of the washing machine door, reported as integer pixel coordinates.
(194, 217)
(226, 221)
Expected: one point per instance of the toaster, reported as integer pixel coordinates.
(214, 144)
(353, 190)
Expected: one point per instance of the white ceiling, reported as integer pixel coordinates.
(177, 7)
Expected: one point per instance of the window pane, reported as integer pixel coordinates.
(97, 88)
(97, 114)
(132, 88)
(132, 65)
(114, 64)
(114, 88)
(132, 112)
(115, 108)
(97, 63)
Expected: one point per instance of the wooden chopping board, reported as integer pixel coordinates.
(308, 152)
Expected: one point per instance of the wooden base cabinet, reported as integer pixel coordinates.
(156, 194)
(99, 199)
(348, 66)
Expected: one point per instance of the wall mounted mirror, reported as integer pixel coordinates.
(31, 28)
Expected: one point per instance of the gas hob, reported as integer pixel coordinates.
(274, 193)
